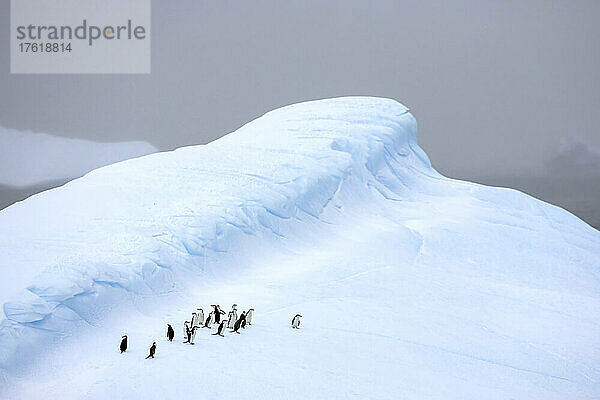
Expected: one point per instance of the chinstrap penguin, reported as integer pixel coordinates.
(200, 317)
(221, 329)
(249, 316)
(232, 317)
(123, 346)
(239, 322)
(217, 313)
(209, 320)
(152, 350)
(296, 321)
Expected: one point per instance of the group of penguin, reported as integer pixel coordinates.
(214, 317)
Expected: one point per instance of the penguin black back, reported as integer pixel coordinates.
(123, 346)
(221, 329)
(170, 332)
(208, 320)
(296, 321)
(152, 351)
(216, 313)
(241, 320)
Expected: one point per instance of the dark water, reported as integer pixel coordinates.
(579, 196)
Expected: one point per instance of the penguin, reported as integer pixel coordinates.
(249, 316)
(170, 332)
(239, 322)
(218, 312)
(186, 331)
(192, 335)
(234, 312)
(296, 321)
(123, 346)
(200, 317)
(221, 329)
(152, 350)
(232, 316)
(230, 320)
(194, 319)
(209, 320)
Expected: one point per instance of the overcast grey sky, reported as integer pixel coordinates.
(498, 87)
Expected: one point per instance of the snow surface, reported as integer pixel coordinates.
(28, 158)
(412, 285)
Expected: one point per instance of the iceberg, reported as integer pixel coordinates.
(411, 284)
(43, 159)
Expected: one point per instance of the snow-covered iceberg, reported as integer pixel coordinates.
(329, 208)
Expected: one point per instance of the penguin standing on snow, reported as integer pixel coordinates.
(209, 320)
(170, 332)
(123, 346)
(218, 312)
(221, 329)
(239, 322)
(186, 331)
(200, 317)
(230, 320)
(152, 350)
(194, 319)
(296, 321)
(249, 316)
(192, 335)
(232, 316)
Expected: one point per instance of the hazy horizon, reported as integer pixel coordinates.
(503, 92)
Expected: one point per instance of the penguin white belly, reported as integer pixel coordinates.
(249, 317)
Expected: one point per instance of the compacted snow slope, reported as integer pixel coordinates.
(412, 285)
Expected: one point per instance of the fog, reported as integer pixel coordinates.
(505, 92)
